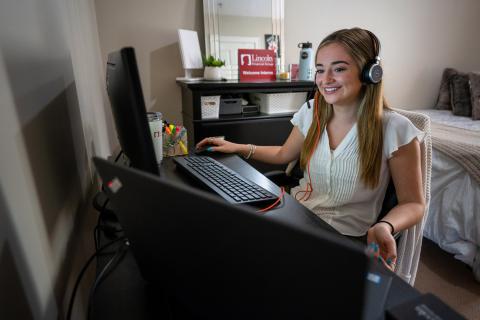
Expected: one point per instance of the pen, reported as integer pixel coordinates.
(182, 132)
(175, 132)
(182, 146)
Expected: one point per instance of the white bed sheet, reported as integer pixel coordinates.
(448, 118)
(454, 219)
(454, 215)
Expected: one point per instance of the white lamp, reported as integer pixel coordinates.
(191, 54)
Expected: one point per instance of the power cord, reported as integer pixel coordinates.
(107, 220)
(118, 156)
(96, 235)
(109, 266)
(101, 207)
(82, 272)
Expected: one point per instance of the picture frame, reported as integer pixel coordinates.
(272, 42)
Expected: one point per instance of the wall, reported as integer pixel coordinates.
(150, 26)
(419, 39)
(45, 170)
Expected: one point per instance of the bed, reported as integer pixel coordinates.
(454, 214)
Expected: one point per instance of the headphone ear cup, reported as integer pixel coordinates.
(372, 73)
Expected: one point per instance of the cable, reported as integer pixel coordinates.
(282, 193)
(96, 238)
(119, 254)
(309, 189)
(118, 156)
(96, 235)
(110, 230)
(82, 272)
(313, 91)
(102, 209)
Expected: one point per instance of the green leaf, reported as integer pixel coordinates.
(211, 61)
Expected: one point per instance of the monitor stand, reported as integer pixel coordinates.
(188, 76)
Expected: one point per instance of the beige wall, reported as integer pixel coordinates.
(45, 172)
(419, 39)
(150, 26)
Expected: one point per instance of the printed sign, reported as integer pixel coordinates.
(256, 65)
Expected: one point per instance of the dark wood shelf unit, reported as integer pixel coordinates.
(259, 129)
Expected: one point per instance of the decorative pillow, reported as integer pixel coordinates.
(460, 95)
(443, 101)
(475, 94)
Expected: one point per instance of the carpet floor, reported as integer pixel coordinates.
(449, 279)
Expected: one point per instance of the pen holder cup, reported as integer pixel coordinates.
(175, 146)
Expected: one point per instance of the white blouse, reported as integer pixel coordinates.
(339, 196)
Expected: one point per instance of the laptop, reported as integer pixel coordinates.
(215, 260)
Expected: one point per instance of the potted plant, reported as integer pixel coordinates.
(213, 69)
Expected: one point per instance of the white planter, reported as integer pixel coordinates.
(212, 73)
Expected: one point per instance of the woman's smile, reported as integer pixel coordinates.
(330, 90)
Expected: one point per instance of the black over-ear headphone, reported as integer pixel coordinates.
(372, 72)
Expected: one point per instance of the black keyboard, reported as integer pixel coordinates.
(224, 181)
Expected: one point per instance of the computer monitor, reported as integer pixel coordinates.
(214, 260)
(128, 108)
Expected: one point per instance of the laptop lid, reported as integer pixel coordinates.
(218, 261)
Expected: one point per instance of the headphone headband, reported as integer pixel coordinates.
(376, 44)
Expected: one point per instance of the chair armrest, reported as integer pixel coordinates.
(280, 178)
(274, 173)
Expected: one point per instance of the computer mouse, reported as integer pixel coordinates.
(204, 150)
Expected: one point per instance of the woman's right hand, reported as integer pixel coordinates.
(219, 145)
(379, 238)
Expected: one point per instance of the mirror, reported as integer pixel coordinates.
(247, 24)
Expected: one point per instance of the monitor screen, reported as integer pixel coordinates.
(214, 260)
(128, 108)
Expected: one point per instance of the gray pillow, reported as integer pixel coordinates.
(443, 100)
(475, 94)
(460, 95)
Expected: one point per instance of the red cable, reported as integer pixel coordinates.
(309, 189)
(282, 192)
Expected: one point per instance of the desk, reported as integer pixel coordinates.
(125, 295)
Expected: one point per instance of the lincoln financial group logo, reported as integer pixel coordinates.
(252, 59)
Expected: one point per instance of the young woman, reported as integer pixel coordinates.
(350, 144)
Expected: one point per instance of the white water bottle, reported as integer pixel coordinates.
(306, 61)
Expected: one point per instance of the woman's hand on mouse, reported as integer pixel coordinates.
(219, 145)
(379, 238)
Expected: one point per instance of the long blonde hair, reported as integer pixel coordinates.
(363, 46)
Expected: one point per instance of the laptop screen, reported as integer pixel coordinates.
(218, 261)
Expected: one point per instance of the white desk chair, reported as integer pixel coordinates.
(410, 246)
